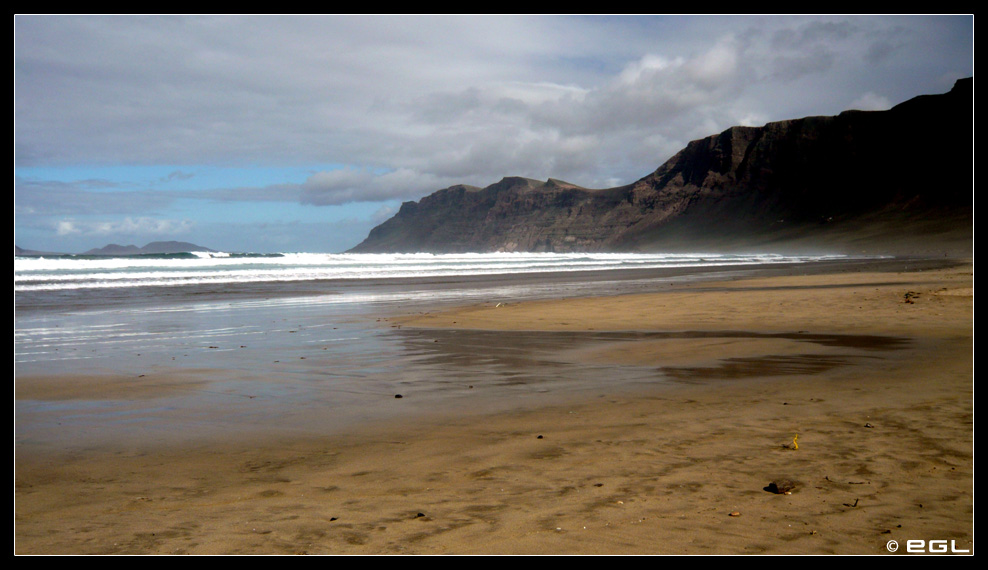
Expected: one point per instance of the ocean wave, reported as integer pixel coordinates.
(76, 272)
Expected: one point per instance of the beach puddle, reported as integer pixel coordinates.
(733, 368)
(305, 373)
(539, 356)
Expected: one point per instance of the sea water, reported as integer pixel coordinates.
(74, 312)
(302, 341)
(98, 272)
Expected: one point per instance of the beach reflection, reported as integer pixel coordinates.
(205, 363)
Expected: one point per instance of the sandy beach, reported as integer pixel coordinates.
(854, 387)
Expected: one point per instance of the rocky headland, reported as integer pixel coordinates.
(889, 180)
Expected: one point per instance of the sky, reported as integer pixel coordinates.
(301, 133)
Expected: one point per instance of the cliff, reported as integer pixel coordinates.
(901, 175)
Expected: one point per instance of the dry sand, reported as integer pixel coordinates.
(870, 373)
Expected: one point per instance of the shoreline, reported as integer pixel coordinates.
(885, 442)
(29, 302)
(765, 300)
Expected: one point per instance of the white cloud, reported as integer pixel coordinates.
(67, 228)
(716, 66)
(125, 227)
(648, 64)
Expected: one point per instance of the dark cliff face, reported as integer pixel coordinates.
(897, 172)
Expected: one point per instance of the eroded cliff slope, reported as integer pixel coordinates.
(902, 174)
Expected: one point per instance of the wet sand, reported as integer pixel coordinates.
(870, 374)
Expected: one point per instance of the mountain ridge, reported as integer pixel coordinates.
(853, 179)
(155, 247)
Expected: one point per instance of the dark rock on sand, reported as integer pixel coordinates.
(781, 487)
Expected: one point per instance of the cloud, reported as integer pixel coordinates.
(364, 185)
(382, 214)
(125, 227)
(412, 104)
(177, 175)
(871, 102)
(790, 67)
(83, 197)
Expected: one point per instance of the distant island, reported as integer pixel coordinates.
(900, 179)
(155, 247)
